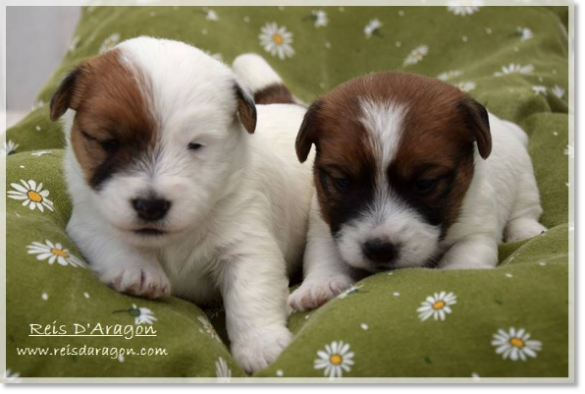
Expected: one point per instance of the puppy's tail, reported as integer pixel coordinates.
(265, 83)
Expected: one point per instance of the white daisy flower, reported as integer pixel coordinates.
(570, 151)
(352, 289)
(33, 195)
(438, 306)
(319, 18)
(142, 315)
(335, 359)
(211, 15)
(525, 33)
(373, 28)
(276, 40)
(54, 252)
(9, 148)
(40, 153)
(513, 68)
(416, 55)
(110, 42)
(515, 344)
(464, 7)
(539, 89)
(208, 328)
(11, 377)
(222, 371)
(447, 75)
(558, 91)
(466, 86)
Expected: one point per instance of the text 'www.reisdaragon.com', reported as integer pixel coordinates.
(91, 351)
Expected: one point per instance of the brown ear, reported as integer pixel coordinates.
(246, 109)
(477, 119)
(63, 96)
(308, 132)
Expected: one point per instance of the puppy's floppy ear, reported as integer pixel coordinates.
(63, 97)
(477, 120)
(308, 132)
(246, 109)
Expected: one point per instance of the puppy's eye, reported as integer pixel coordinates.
(342, 184)
(425, 186)
(195, 146)
(109, 145)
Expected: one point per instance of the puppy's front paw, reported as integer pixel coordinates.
(315, 292)
(149, 281)
(256, 350)
(521, 229)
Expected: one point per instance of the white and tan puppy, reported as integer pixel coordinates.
(173, 194)
(409, 172)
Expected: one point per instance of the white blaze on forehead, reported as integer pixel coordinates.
(383, 121)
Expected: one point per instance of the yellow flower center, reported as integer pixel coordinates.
(34, 196)
(277, 38)
(517, 342)
(335, 359)
(60, 253)
(439, 305)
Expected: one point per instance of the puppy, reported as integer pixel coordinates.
(409, 172)
(173, 194)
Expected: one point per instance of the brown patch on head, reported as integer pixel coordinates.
(113, 125)
(344, 159)
(435, 152)
(274, 94)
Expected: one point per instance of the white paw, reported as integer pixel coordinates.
(147, 281)
(315, 292)
(521, 229)
(259, 348)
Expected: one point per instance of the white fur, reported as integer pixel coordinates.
(240, 205)
(502, 204)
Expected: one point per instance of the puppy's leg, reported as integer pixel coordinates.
(526, 210)
(473, 252)
(326, 275)
(254, 286)
(118, 265)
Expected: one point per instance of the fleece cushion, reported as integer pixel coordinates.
(511, 321)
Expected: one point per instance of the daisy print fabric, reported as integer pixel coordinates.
(335, 359)
(54, 252)
(31, 194)
(276, 40)
(437, 306)
(515, 344)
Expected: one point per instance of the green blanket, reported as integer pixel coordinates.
(508, 322)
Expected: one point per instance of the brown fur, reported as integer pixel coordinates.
(274, 94)
(111, 108)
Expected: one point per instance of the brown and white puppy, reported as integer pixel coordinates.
(179, 188)
(409, 172)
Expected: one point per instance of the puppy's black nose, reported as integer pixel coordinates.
(380, 252)
(151, 209)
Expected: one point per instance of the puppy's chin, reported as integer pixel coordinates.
(149, 237)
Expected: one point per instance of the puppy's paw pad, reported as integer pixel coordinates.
(522, 229)
(146, 282)
(258, 349)
(314, 293)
